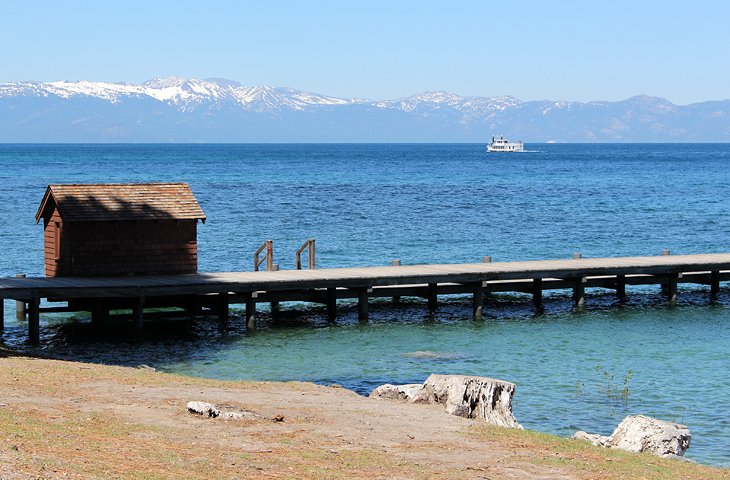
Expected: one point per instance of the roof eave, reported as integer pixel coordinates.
(44, 203)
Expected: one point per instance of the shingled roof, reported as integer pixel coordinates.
(122, 201)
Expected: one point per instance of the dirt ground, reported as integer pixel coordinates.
(75, 420)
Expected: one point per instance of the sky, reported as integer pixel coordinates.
(533, 50)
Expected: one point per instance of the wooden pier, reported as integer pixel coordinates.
(217, 291)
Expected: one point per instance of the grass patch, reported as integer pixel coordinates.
(587, 461)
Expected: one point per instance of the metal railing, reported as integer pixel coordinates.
(268, 245)
(309, 245)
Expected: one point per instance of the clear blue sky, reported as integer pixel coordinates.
(569, 50)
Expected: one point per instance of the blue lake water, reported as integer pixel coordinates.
(369, 204)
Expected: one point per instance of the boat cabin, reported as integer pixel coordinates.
(93, 230)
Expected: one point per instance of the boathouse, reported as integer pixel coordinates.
(93, 230)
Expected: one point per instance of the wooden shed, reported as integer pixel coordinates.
(93, 230)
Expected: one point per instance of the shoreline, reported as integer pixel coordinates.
(82, 420)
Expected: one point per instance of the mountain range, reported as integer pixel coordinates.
(218, 110)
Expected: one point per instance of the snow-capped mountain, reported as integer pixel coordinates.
(440, 100)
(218, 110)
(180, 92)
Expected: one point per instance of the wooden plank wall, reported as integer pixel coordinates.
(49, 244)
(91, 249)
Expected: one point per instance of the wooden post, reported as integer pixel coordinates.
(138, 315)
(579, 292)
(396, 298)
(223, 306)
(714, 283)
(274, 304)
(537, 292)
(487, 259)
(331, 304)
(99, 312)
(312, 254)
(621, 287)
(34, 321)
(192, 307)
(577, 256)
(485, 289)
(477, 302)
(665, 285)
(250, 312)
(20, 304)
(20, 310)
(671, 288)
(433, 301)
(269, 255)
(362, 304)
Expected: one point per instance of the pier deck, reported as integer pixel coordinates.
(328, 284)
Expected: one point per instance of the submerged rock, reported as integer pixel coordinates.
(639, 433)
(431, 355)
(482, 398)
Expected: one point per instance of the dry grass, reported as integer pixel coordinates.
(73, 420)
(103, 446)
(590, 462)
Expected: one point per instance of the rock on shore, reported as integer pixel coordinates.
(483, 398)
(638, 433)
(206, 409)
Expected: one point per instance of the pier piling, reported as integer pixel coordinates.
(362, 304)
(433, 302)
(223, 305)
(396, 298)
(34, 332)
(671, 288)
(332, 304)
(537, 292)
(20, 304)
(250, 311)
(477, 302)
(99, 311)
(579, 292)
(714, 283)
(621, 287)
(138, 315)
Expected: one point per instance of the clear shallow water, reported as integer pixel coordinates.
(368, 204)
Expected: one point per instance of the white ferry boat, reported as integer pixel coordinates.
(502, 145)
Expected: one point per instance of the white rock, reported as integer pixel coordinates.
(639, 433)
(483, 398)
(594, 438)
(242, 415)
(396, 392)
(209, 410)
(203, 408)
